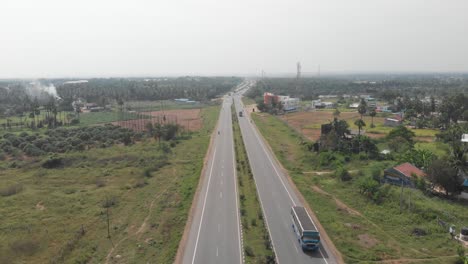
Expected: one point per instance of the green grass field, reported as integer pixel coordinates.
(59, 215)
(363, 231)
(257, 247)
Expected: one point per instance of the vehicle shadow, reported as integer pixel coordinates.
(317, 253)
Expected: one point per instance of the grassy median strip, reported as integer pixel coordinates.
(257, 245)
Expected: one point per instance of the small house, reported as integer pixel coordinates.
(392, 122)
(402, 174)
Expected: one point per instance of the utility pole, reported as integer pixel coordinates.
(107, 215)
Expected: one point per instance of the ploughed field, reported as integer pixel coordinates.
(188, 119)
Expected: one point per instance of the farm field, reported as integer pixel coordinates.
(364, 231)
(59, 215)
(309, 123)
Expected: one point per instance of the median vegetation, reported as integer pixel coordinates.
(256, 239)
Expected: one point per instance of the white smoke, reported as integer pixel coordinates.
(37, 89)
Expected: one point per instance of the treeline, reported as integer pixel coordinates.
(16, 98)
(381, 86)
(195, 88)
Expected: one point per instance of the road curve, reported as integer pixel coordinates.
(215, 232)
(277, 197)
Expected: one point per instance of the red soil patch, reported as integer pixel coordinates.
(189, 119)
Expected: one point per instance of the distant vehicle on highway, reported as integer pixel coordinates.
(240, 114)
(305, 230)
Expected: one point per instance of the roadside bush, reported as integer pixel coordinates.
(140, 183)
(342, 173)
(53, 162)
(24, 247)
(100, 183)
(110, 202)
(11, 190)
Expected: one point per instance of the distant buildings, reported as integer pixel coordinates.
(318, 104)
(392, 122)
(464, 138)
(289, 103)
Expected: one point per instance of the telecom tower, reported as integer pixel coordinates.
(298, 74)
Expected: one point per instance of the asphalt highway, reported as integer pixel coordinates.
(215, 232)
(277, 197)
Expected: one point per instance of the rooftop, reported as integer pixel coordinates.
(408, 169)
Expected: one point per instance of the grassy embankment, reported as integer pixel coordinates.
(257, 246)
(362, 230)
(248, 101)
(60, 214)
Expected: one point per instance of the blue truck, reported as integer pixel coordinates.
(304, 228)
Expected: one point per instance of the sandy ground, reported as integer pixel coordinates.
(189, 119)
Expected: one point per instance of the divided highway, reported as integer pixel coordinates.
(277, 197)
(215, 232)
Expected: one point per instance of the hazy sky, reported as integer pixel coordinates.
(61, 38)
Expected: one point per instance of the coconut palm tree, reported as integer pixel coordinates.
(360, 124)
(372, 113)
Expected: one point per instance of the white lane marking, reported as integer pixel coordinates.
(221, 182)
(221, 174)
(277, 174)
(274, 168)
(221, 195)
(216, 251)
(204, 205)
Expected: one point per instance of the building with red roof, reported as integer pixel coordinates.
(402, 174)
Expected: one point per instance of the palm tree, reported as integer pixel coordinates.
(336, 113)
(372, 113)
(158, 132)
(362, 108)
(360, 124)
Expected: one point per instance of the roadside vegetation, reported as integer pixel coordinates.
(369, 221)
(56, 204)
(256, 239)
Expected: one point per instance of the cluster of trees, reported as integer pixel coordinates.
(17, 100)
(63, 140)
(162, 131)
(387, 87)
(336, 136)
(196, 88)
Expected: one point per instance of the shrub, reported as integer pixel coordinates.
(249, 251)
(140, 183)
(11, 190)
(253, 222)
(24, 247)
(53, 162)
(343, 174)
(109, 202)
(100, 183)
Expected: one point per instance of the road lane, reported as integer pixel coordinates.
(277, 198)
(214, 235)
